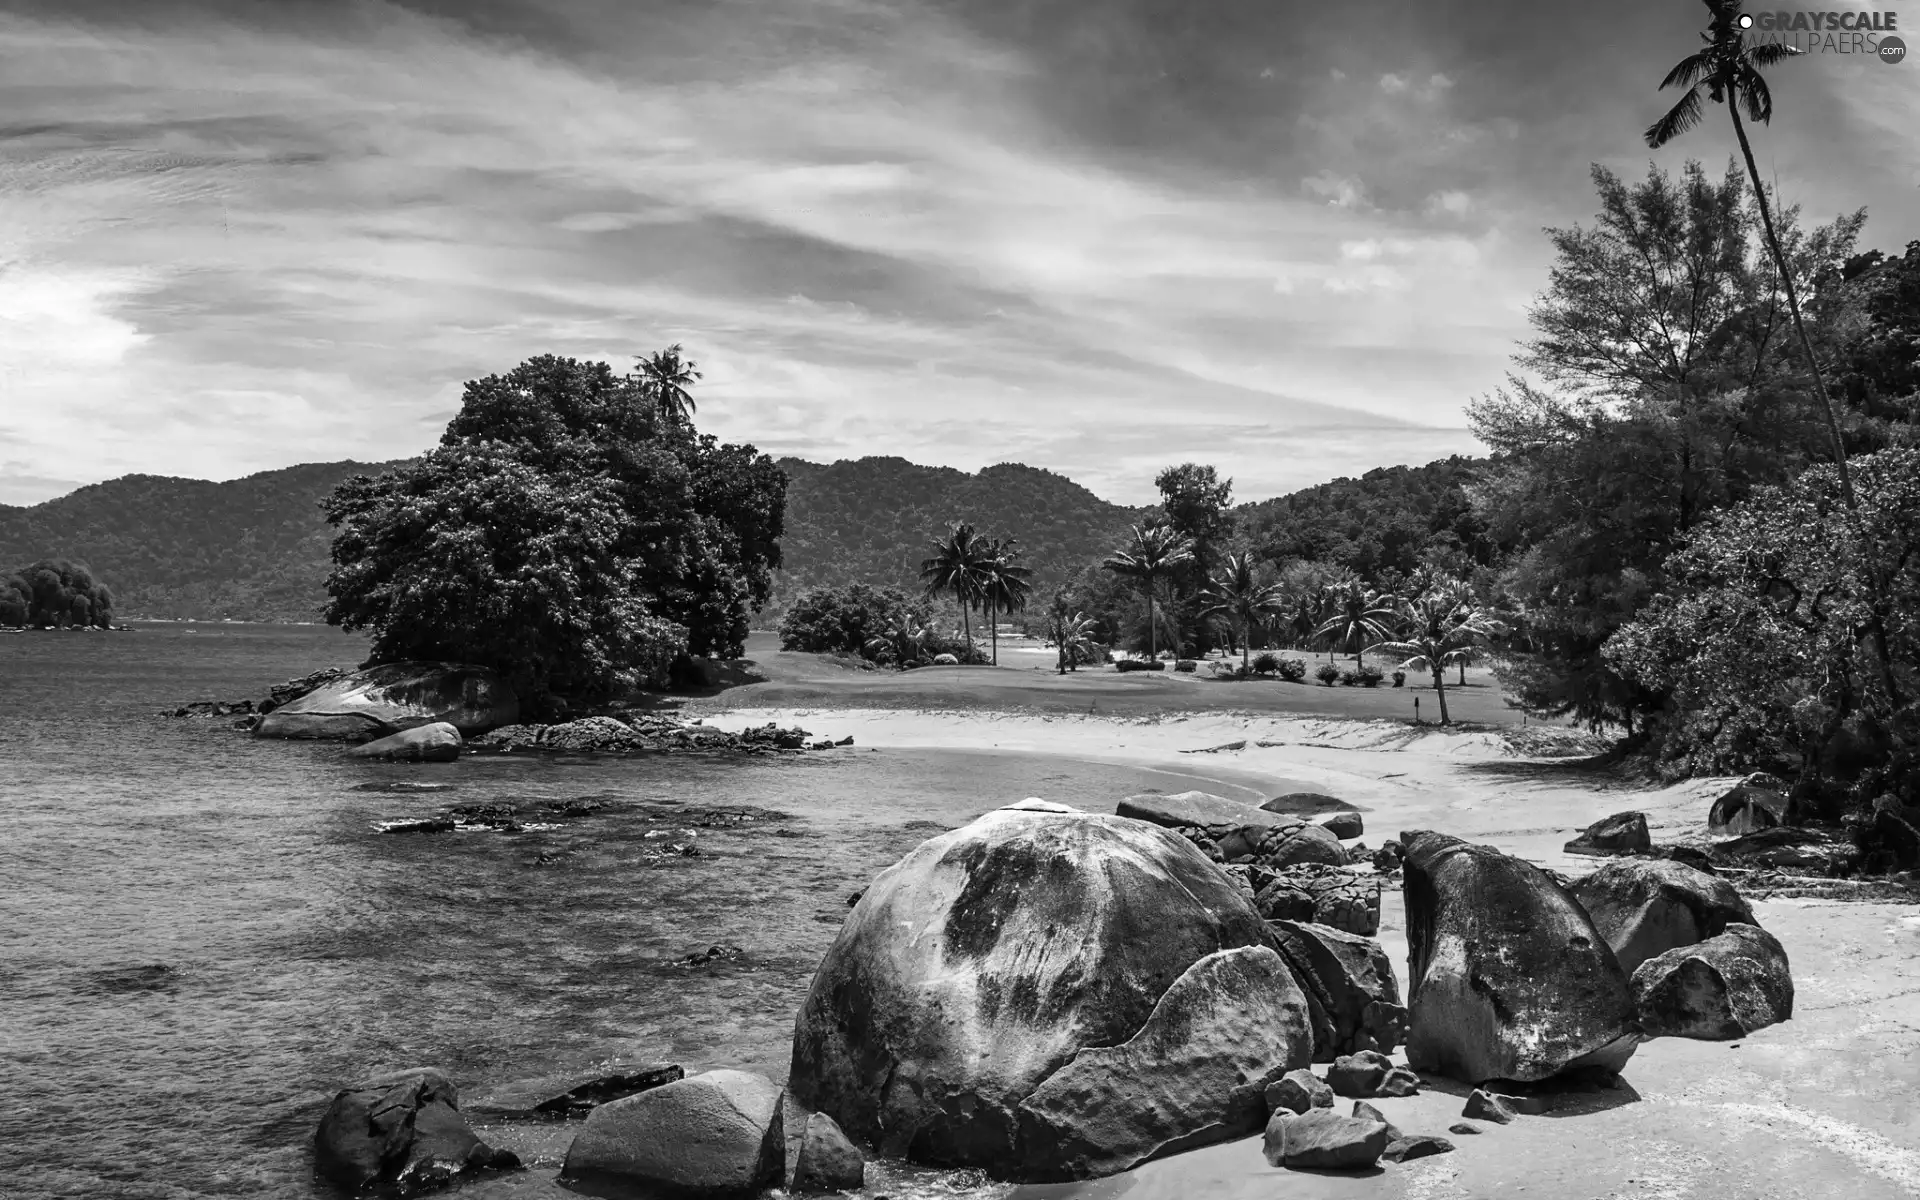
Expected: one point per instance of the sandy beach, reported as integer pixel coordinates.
(1823, 1105)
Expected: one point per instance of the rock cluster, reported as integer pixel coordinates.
(1325, 895)
(402, 1131)
(645, 733)
(1228, 831)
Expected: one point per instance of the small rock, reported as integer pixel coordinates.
(1344, 825)
(712, 1135)
(1389, 857)
(1358, 1074)
(1486, 1106)
(404, 1131)
(845, 741)
(1747, 808)
(1464, 1127)
(855, 898)
(1621, 833)
(1419, 1145)
(1297, 1091)
(1320, 1138)
(828, 1162)
(1399, 1082)
(1368, 1112)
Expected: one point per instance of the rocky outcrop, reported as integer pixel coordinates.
(386, 699)
(438, 742)
(1507, 978)
(828, 1162)
(1647, 906)
(1621, 833)
(1321, 1139)
(1352, 997)
(718, 1134)
(1754, 803)
(643, 733)
(992, 984)
(1228, 831)
(402, 1132)
(1332, 896)
(1722, 989)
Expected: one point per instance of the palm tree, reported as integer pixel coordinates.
(1441, 627)
(1004, 586)
(1156, 553)
(1359, 613)
(1240, 595)
(1071, 631)
(903, 637)
(664, 378)
(956, 570)
(1730, 70)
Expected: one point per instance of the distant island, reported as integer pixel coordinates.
(54, 593)
(255, 549)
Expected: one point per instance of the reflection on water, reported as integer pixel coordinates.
(202, 936)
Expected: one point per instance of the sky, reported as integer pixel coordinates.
(1289, 240)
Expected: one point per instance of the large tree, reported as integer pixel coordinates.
(55, 593)
(1155, 554)
(1004, 584)
(1243, 595)
(956, 569)
(566, 531)
(1438, 628)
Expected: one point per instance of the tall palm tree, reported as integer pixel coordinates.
(1359, 613)
(955, 570)
(1242, 596)
(1730, 70)
(1441, 627)
(1157, 551)
(1071, 632)
(1004, 585)
(664, 378)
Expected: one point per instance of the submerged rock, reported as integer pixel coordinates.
(1621, 833)
(718, 1134)
(386, 699)
(438, 742)
(1722, 989)
(1352, 996)
(1001, 977)
(1508, 977)
(402, 1131)
(1647, 906)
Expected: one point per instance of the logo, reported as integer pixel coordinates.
(1892, 49)
(1867, 33)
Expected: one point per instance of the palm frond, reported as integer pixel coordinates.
(1680, 118)
(1752, 88)
(1688, 71)
(1770, 53)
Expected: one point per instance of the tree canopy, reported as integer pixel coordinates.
(55, 593)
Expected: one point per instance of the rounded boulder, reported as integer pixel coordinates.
(1647, 906)
(391, 697)
(717, 1134)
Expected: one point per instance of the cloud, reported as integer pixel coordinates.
(1338, 190)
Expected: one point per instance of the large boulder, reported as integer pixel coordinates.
(1241, 832)
(438, 742)
(1647, 906)
(1724, 988)
(1039, 942)
(1750, 805)
(717, 1134)
(1621, 833)
(386, 699)
(1351, 993)
(401, 1131)
(1507, 976)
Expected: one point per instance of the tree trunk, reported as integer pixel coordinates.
(1246, 651)
(1793, 300)
(1153, 646)
(1463, 672)
(995, 619)
(1440, 690)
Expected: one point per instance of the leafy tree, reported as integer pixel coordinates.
(957, 569)
(664, 379)
(1197, 503)
(1071, 632)
(1730, 70)
(1157, 551)
(1439, 628)
(1358, 613)
(1244, 597)
(903, 642)
(55, 593)
(1004, 584)
(565, 532)
(827, 619)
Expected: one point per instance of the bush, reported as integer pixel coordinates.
(1266, 663)
(1137, 664)
(1293, 670)
(1399, 679)
(1349, 677)
(956, 645)
(827, 620)
(1186, 665)
(1327, 674)
(1369, 675)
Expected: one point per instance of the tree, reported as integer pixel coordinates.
(956, 569)
(1730, 70)
(564, 532)
(1157, 551)
(1070, 631)
(664, 379)
(1438, 628)
(1358, 613)
(55, 593)
(826, 619)
(1244, 597)
(1197, 503)
(903, 641)
(1004, 584)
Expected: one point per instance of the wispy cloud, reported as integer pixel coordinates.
(959, 233)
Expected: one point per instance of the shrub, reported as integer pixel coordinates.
(1186, 665)
(1137, 664)
(1292, 670)
(956, 645)
(1327, 674)
(1369, 675)
(1266, 663)
(830, 619)
(1399, 679)
(1349, 677)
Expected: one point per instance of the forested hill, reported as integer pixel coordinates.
(871, 520)
(256, 548)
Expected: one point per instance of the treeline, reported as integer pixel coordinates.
(55, 594)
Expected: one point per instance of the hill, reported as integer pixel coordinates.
(256, 548)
